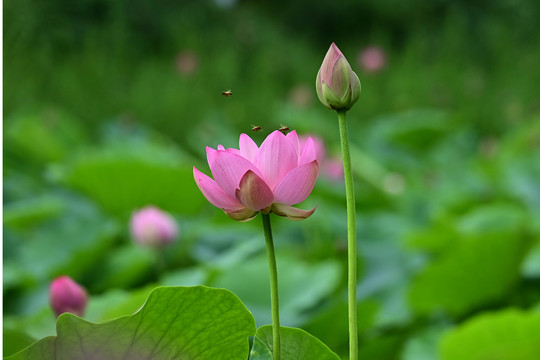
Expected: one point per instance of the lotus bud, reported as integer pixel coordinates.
(67, 296)
(151, 226)
(338, 87)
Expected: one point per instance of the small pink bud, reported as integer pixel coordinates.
(338, 87)
(67, 296)
(372, 59)
(153, 227)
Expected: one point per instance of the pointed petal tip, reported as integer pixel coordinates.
(296, 186)
(292, 212)
(242, 215)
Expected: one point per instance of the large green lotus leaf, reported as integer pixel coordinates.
(124, 180)
(37, 324)
(507, 334)
(260, 351)
(115, 303)
(479, 269)
(14, 341)
(44, 349)
(296, 344)
(175, 323)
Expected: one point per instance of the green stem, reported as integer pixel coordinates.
(351, 235)
(273, 285)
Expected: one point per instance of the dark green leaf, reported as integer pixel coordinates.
(479, 268)
(508, 334)
(14, 341)
(122, 181)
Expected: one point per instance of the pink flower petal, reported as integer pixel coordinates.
(291, 212)
(213, 193)
(210, 155)
(275, 158)
(253, 192)
(327, 67)
(221, 147)
(242, 214)
(234, 151)
(247, 146)
(293, 138)
(228, 169)
(296, 186)
(309, 152)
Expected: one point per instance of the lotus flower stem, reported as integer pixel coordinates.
(273, 286)
(351, 235)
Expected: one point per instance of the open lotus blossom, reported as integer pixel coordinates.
(270, 178)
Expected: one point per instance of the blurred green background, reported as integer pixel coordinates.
(109, 104)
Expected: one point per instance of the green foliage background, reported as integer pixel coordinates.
(99, 121)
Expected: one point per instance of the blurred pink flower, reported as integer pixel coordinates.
(330, 167)
(66, 295)
(154, 227)
(372, 59)
(333, 168)
(187, 62)
(301, 96)
(270, 178)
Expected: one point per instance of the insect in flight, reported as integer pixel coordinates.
(226, 93)
(284, 129)
(256, 128)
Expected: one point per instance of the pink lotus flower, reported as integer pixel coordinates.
(66, 295)
(154, 227)
(270, 178)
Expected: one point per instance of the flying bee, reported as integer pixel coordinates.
(226, 93)
(284, 129)
(256, 128)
